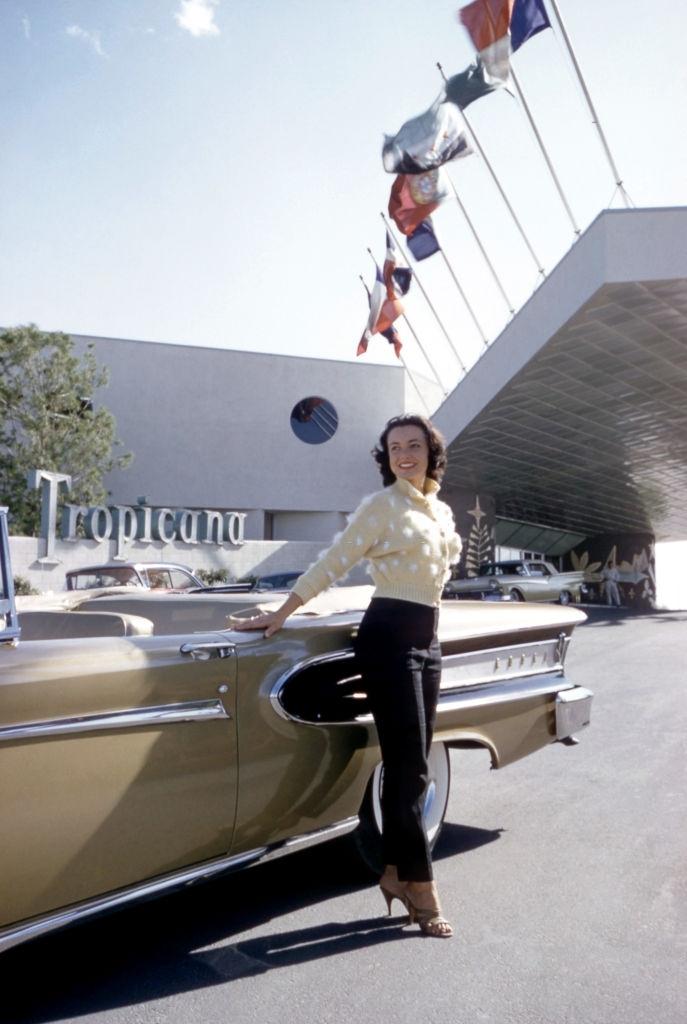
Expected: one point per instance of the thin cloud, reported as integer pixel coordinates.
(92, 38)
(26, 25)
(198, 17)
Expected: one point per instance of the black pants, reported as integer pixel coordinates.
(400, 661)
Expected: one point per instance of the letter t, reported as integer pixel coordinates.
(49, 484)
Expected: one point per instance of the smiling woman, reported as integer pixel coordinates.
(409, 538)
(409, 455)
(420, 428)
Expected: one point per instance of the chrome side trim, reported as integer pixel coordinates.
(491, 693)
(163, 714)
(31, 929)
(515, 661)
(472, 671)
(500, 692)
(308, 839)
(317, 659)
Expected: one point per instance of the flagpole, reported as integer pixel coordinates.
(552, 172)
(478, 240)
(436, 376)
(498, 185)
(412, 380)
(427, 298)
(421, 347)
(485, 340)
(595, 117)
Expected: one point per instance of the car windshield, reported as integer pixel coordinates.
(116, 577)
(182, 580)
(277, 581)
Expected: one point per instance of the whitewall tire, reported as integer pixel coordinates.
(368, 836)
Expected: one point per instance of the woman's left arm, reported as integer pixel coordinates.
(455, 544)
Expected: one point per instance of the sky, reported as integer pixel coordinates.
(208, 172)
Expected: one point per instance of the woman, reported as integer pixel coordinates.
(409, 538)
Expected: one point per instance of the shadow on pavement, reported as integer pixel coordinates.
(605, 615)
(159, 949)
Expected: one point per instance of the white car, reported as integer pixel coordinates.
(525, 580)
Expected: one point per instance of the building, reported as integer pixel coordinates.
(568, 438)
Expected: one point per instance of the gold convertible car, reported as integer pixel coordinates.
(144, 746)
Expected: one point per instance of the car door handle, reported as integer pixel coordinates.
(203, 652)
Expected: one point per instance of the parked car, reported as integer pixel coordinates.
(273, 581)
(526, 580)
(149, 575)
(173, 749)
(277, 581)
(475, 589)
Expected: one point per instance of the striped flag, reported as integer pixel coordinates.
(383, 312)
(498, 28)
(396, 279)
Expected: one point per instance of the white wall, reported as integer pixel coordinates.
(211, 427)
(319, 526)
(671, 575)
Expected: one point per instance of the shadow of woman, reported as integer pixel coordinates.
(159, 950)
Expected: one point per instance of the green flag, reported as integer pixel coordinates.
(468, 86)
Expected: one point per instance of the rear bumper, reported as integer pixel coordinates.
(573, 711)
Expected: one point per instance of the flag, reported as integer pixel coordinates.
(498, 28)
(468, 86)
(427, 141)
(392, 337)
(396, 279)
(423, 242)
(383, 312)
(414, 197)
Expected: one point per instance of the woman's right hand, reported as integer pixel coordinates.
(271, 622)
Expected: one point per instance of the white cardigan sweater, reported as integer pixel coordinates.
(408, 538)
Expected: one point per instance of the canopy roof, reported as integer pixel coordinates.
(575, 418)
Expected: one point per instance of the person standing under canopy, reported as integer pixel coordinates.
(610, 577)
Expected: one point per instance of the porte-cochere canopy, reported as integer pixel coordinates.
(575, 419)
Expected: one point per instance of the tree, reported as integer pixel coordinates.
(48, 421)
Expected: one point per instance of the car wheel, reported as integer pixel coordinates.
(368, 835)
(565, 597)
(516, 595)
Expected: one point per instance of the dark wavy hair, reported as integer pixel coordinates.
(435, 442)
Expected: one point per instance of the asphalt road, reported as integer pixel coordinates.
(564, 875)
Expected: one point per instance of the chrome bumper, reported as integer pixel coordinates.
(573, 711)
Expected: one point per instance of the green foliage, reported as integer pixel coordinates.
(212, 576)
(48, 421)
(248, 579)
(22, 587)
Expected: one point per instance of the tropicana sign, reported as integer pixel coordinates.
(125, 523)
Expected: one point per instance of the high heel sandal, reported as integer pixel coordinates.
(393, 894)
(392, 887)
(430, 919)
